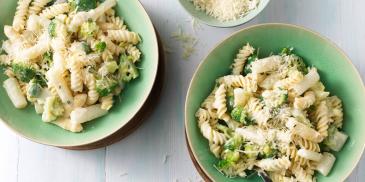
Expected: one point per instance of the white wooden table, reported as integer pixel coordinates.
(157, 151)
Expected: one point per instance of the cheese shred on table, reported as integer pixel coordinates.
(226, 10)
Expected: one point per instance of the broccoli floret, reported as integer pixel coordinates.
(224, 164)
(88, 29)
(250, 151)
(298, 63)
(106, 85)
(41, 79)
(268, 151)
(227, 131)
(23, 72)
(287, 51)
(82, 5)
(100, 47)
(243, 118)
(231, 156)
(230, 103)
(34, 89)
(250, 60)
(233, 143)
(112, 66)
(240, 115)
(108, 68)
(86, 47)
(52, 29)
(236, 113)
(127, 70)
(283, 99)
(229, 159)
(53, 108)
(48, 57)
(301, 66)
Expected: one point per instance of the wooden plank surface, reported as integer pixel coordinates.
(156, 151)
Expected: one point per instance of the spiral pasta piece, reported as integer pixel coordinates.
(105, 26)
(117, 23)
(274, 164)
(21, 15)
(278, 177)
(212, 135)
(306, 144)
(42, 46)
(241, 58)
(76, 74)
(208, 104)
(37, 6)
(306, 101)
(92, 94)
(322, 118)
(335, 106)
(292, 152)
(113, 48)
(202, 115)
(124, 36)
(301, 175)
(255, 110)
(215, 149)
(248, 83)
(293, 78)
(54, 10)
(220, 101)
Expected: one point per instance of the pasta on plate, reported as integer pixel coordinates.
(68, 58)
(272, 114)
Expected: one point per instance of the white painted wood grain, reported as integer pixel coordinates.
(8, 154)
(141, 156)
(43, 163)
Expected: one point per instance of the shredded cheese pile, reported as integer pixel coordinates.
(226, 10)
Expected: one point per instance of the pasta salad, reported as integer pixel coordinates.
(68, 58)
(272, 115)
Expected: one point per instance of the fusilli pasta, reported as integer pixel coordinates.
(275, 116)
(60, 57)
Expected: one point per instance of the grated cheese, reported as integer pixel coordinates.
(226, 10)
(188, 42)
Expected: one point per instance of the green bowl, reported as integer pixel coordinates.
(28, 124)
(336, 70)
(203, 17)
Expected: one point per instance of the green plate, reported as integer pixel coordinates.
(28, 124)
(336, 70)
(203, 17)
